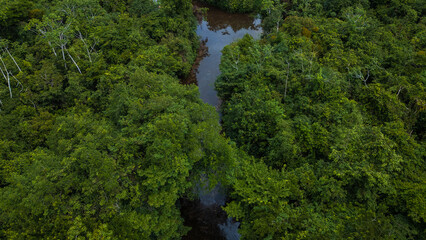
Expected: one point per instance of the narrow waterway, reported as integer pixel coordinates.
(216, 30)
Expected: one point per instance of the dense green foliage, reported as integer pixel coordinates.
(241, 6)
(99, 139)
(331, 104)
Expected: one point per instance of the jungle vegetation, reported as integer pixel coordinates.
(323, 133)
(99, 139)
(330, 104)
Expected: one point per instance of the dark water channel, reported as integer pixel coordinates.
(219, 29)
(216, 30)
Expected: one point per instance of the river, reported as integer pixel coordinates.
(216, 30)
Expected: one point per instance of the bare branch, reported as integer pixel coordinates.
(399, 91)
(6, 76)
(73, 60)
(62, 49)
(7, 50)
(33, 103)
(92, 48)
(85, 45)
(3, 73)
(18, 82)
(360, 75)
(63, 56)
(54, 52)
(286, 80)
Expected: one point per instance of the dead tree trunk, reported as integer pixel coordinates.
(6, 76)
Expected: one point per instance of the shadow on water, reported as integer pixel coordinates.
(203, 220)
(205, 215)
(218, 19)
(216, 31)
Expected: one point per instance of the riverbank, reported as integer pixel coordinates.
(216, 29)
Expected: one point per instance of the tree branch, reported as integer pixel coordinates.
(73, 60)
(85, 45)
(286, 80)
(7, 78)
(13, 59)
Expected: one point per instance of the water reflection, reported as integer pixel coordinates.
(219, 19)
(219, 29)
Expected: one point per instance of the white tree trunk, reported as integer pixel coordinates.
(6, 76)
(85, 45)
(53, 49)
(72, 59)
(7, 50)
(63, 56)
(17, 82)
